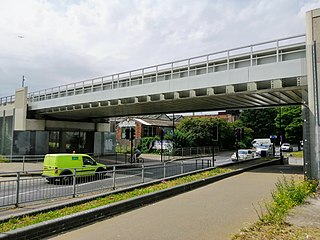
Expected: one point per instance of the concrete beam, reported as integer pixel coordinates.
(276, 83)
(252, 86)
(302, 81)
(210, 91)
(230, 89)
(192, 93)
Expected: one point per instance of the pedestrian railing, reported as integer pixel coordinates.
(18, 188)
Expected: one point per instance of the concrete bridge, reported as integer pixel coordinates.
(275, 73)
(260, 75)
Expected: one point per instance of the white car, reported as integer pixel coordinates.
(243, 154)
(286, 147)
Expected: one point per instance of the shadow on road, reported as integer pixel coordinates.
(284, 169)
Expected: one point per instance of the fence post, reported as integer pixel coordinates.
(201, 163)
(23, 160)
(181, 168)
(17, 189)
(142, 173)
(196, 164)
(164, 170)
(74, 182)
(114, 177)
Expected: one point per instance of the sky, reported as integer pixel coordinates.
(56, 42)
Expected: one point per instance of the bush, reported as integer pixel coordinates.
(146, 144)
(287, 195)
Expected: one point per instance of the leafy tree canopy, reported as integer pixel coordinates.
(261, 121)
(289, 121)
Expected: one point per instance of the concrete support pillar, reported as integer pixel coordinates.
(162, 97)
(302, 81)
(252, 86)
(312, 121)
(3, 132)
(148, 99)
(20, 119)
(136, 100)
(176, 95)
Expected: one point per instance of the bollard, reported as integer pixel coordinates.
(23, 160)
(114, 177)
(164, 170)
(181, 167)
(74, 183)
(142, 173)
(17, 189)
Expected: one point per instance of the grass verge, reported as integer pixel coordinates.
(298, 154)
(3, 159)
(15, 223)
(271, 224)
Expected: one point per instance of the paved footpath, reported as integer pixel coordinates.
(216, 211)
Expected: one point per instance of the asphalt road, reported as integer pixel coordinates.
(37, 188)
(215, 211)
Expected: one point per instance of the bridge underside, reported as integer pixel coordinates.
(208, 99)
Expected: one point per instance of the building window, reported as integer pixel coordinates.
(54, 141)
(149, 131)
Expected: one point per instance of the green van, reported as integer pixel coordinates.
(62, 167)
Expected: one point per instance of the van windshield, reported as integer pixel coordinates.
(264, 146)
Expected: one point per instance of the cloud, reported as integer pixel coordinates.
(69, 41)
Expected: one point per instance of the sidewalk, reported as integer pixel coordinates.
(216, 211)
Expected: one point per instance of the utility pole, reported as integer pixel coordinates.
(23, 80)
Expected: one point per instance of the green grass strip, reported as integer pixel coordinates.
(15, 223)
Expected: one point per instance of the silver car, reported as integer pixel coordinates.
(243, 154)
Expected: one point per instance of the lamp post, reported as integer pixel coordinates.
(23, 80)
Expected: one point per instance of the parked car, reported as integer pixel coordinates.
(243, 154)
(286, 147)
(264, 150)
(61, 167)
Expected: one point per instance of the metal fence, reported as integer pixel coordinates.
(17, 188)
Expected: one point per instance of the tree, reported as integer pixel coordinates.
(198, 131)
(261, 121)
(289, 121)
